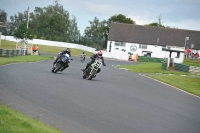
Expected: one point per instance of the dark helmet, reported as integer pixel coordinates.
(68, 50)
(83, 52)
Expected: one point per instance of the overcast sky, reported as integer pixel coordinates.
(182, 14)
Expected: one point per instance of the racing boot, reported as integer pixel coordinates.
(85, 68)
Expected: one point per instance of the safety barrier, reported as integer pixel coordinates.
(187, 68)
(181, 67)
(10, 52)
(52, 43)
(164, 65)
(149, 59)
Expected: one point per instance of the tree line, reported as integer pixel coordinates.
(54, 23)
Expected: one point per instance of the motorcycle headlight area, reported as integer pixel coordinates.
(64, 59)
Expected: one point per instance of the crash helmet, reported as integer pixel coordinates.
(68, 50)
(100, 53)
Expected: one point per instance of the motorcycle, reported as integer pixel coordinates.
(92, 69)
(61, 64)
(82, 58)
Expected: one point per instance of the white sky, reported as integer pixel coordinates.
(182, 14)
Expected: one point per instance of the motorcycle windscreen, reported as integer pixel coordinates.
(65, 58)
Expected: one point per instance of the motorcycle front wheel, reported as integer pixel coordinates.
(82, 60)
(89, 77)
(58, 66)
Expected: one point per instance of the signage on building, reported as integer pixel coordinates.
(133, 48)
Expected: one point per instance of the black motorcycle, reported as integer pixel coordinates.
(62, 63)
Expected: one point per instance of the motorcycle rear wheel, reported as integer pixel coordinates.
(84, 76)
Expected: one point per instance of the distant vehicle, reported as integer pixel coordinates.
(82, 57)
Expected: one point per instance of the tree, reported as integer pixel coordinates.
(159, 24)
(99, 30)
(18, 26)
(15, 22)
(120, 18)
(51, 23)
(95, 33)
(3, 16)
(23, 32)
(3, 21)
(74, 33)
(155, 24)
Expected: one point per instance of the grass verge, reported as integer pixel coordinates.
(188, 83)
(28, 58)
(14, 122)
(149, 67)
(181, 80)
(45, 49)
(192, 62)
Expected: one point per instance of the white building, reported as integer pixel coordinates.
(150, 41)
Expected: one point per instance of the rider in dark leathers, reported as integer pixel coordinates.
(68, 51)
(93, 57)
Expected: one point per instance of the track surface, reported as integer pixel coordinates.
(115, 101)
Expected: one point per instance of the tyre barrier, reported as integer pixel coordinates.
(164, 65)
(181, 67)
(10, 52)
(149, 59)
(186, 68)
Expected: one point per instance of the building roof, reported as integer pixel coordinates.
(151, 35)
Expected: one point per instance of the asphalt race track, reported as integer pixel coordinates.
(116, 101)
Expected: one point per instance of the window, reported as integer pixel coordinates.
(178, 55)
(163, 48)
(121, 44)
(143, 46)
(148, 54)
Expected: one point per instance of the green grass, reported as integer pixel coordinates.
(14, 122)
(56, 50)
(28, 58)
(188, 82)
(149, 67)
(45, 49)
(192, 62)
(8, 44)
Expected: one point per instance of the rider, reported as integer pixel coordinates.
(93, 57)
(83, 55)
(68, 51)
